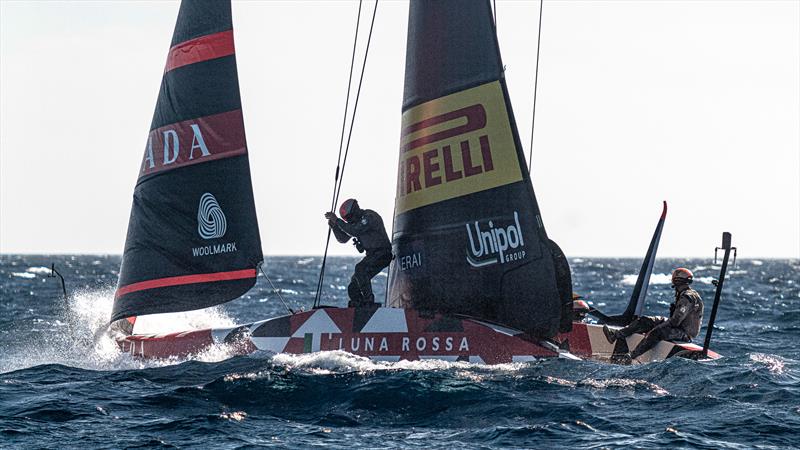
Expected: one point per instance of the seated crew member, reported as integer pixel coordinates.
(685, 316)
(369, 235)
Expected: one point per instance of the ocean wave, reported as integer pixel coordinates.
(77, 338)
(623, 383)
(59, 381)
(656, 278)
(236, 416)
(705, 280)
(661, 278)
(23, 275)
(773, 363)
(338, 361)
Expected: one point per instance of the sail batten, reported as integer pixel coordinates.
(203, 48)
(193, 237)
(186, 279)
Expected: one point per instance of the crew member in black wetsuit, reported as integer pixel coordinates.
(685, 316)
(369, 235)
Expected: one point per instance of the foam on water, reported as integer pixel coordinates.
(773, 363)
(23, 275)
(39, 270)
(623, 383)
(662, 278)
(77, 337)
(705, 280)
(338, 361)
(656, 278)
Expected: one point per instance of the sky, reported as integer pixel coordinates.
(693, 102)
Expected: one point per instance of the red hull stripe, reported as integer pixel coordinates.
(186, 279)
(210, 46)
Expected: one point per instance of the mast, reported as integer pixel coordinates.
(469, 237)
(193, 238)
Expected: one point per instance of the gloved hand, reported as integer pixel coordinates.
(331, 218)
(358, 245)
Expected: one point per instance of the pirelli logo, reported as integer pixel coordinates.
(454, 146)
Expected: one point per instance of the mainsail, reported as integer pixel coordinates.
(468, 235)
(193, 238)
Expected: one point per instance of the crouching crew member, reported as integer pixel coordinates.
(366, 229)
(685, 316)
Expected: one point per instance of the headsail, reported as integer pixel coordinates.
(639, 294)
(468, 235)
(193, 238)
(636, 304)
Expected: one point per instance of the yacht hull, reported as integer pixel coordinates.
(394, 334)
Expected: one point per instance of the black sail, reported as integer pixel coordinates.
(468, 236)
(193, 238)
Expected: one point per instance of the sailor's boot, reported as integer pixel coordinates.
(364, 297)
(354, 293)
(622, 358)
(611, 336)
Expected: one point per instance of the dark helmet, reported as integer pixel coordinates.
(681, 276)
(349, 209)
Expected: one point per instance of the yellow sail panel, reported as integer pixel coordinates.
(456, 145)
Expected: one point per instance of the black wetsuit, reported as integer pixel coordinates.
(370, 236)
(683, 323)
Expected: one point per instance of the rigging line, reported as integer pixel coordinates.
(358, 94)
(349, 136)
(346, 105)
(535, 85)
(339, 156)
(275, 290)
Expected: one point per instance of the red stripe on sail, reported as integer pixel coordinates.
(194, 141)
(186, 279)
(210, 46)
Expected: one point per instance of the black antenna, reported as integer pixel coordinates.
(726, 245)
(53, 274)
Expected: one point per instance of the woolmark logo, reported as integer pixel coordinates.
(491, 244)
(211, 221)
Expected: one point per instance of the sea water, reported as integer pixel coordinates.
(59, 388)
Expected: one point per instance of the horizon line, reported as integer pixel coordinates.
(790, 258)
